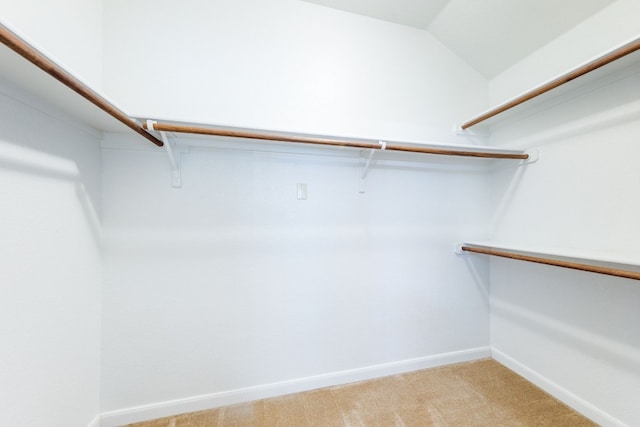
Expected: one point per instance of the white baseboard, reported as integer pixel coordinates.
(582, 406)
(214, 400)
(95, 422)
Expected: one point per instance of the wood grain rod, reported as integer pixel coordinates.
(565, 78)
(557, 263)
(31, 54)
(166, 127)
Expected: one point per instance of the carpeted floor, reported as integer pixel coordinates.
(479, 393)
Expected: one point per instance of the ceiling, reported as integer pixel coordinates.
(490, 35)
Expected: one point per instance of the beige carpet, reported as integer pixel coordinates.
(479, 393)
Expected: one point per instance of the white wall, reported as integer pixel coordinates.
(50, 272)
(574, 333)
(69, 31)
(611, 26)
(285, 65)
(50, 269)
(231, 282)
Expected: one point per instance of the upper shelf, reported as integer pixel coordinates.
(59, 86)
(53, 83)
(329, 141)
(614, 59)
(34, 72)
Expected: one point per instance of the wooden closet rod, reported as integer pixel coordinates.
(166, 127)
(565, 78)
(548, 261)
(31, 54)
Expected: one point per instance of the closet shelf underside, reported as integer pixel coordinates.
(36, 73)
(611, 61)
(591, 261)
(216, 133)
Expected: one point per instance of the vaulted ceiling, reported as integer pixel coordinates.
(490, 35)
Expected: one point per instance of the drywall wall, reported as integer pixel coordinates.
(68, 31)
(611, 26)
(50, 272)
(573, 333)
(285, 65)
(231, 288)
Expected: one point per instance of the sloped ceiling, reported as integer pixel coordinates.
(490, 35)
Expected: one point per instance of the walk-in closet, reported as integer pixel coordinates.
(319, 212)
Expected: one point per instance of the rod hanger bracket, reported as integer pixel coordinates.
(534, 155)
(366, 163)
(458, 130)
(174, 155)
(458, 249)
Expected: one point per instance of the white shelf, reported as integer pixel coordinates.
(36, 74)
(625, 261)
(22, 74)
(181, 131)
(31, 69)
(29, 79)
(569, 85)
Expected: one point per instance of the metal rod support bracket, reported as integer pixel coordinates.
(534, 155)
(458, 249)
(174, 155)
(367, 163)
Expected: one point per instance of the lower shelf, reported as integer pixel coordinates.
(570, 259)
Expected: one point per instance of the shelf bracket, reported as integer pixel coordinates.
(174, 155)
(533, 157)
(458, 249)
(366, 164)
